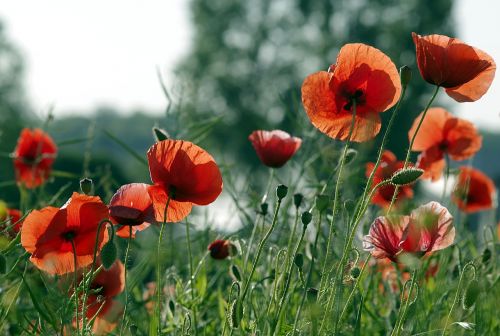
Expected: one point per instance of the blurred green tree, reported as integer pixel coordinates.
(249, 58)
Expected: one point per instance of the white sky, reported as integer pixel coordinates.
(81, 54)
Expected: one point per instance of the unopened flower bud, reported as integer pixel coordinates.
(355, 272)
(306, 218)
(281, 191)
(86, 185)
(299, 260)
(405, 73)
(160, 134)
(297, 200)
(263, 208)
(406, 176)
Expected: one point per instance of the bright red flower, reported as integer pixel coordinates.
(10, 220)
(33, 157)
(442, 134)
(274, 148)
(474, 191)
(362, 74)
(48, 234)
(220, 249)
(131, 206)
(186, 173)
(389, 164)
(428, 228)
(464, 71)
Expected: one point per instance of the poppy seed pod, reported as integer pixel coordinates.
(297, 200)
(306, 218)
(264, 207)
(281, 191)
(405, 74)
(86, 185)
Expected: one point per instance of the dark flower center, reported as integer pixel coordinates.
(356, 97)
(68, 235)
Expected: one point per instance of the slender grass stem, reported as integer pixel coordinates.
(75, 285)
(191, 276)
(127, 251)
(158, 270)
(403, 310)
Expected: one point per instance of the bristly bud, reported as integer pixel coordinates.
(470, 295)
(299, 260)
(406, 176)
(171, 306)
(235, 273)
(350, 155)
(486, 256)
(86, 185)
(297, 199)
(108, 254)
(3, 264)
(263, 208)
(160, 134)
(306, 218)
(281, 191)
(322, 202)
(355, 272)
(235, 314)
(405, 73)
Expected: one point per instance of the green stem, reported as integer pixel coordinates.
(259, 251)
(75, 285)
(127, 251)
(336, 200)
(191, 275)
(446, 177)
(403, 310)
(408, 153)
(290, 240)
(158, 270)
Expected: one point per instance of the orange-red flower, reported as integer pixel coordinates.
(220, 249)
(10, 220)
(474, 191)
(131, 206)
(442, 134)
(184, 172)
(464, 71)
(389, 164)
(33, 157)
(48, 234)
(363, 76)
(274, 148)
(428, 228)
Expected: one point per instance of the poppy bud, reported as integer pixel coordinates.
(297, 200)
(160, 134)
(312, 292)
(350, 155)
(406, 176)
(349, 205)
(171, 306)
(306, 218)
(3, 264)
(235, 314)
(263, 208)
(108, 254)
(405, 74)
(355, 272)
(235, 272)
(486, 256)
(299, 260)
(272, 275)
(281, 191)
(220, 249)
(321, 202)
(86, 185)
(471, 293)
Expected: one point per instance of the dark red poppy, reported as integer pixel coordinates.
(220, 249)
(442, 134)
(362, 75)
(428, 228)
(33, 157)
(389, 164)
(131, 206)
(464, 71)
(274, 148)
(48, 234)
(474, 191)
(184, 172)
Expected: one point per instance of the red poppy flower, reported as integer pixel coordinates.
(220, 249)
(10, 220)
(428, 228)
(48, 234)
(364, 75)
(442, 133)
(33, 157)
(474, 191)
(274, 148)
(464, 71)
(186, 173)
(131, 206)
(389, 164)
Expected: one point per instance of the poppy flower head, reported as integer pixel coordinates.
(131, 206)
(33, 157)
(387, 167)
(10, 220)
(428, 228)
(221, 249)
(50, 233)
(474, 191)
(464, 71)
(274, 148)
(363, 77)
(186, 174)
(442, 134)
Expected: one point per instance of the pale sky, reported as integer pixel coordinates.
(82, 54)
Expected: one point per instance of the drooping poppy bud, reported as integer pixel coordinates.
(221, 249)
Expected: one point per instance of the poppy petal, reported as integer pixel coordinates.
(430, 132)
(385, 235)
(176, 211)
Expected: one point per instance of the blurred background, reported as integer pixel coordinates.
(210, 72)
